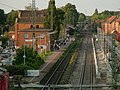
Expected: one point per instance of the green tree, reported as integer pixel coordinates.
(71, 14)
(60, 19)
(12, 17)
(95, 15)
(2, 17)
(32, 59)
(96, 12)
(17, 69)
(105, 15)
(82, 17)
(51, 15)
(4, 39)
(57, 17)
(2, 20)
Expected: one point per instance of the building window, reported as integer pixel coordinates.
(33, 35)
(37, 26)
(31, 26)
(25, 35)
(42, 36)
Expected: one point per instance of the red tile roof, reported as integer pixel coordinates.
(25, 16)
(111, 19)
(100, 21)
(28, 13)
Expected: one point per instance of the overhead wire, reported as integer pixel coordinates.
(8, 6)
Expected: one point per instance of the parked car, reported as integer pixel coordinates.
(5, 55)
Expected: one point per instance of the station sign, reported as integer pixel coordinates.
(32, 73)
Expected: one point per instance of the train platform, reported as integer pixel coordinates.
(49, 62)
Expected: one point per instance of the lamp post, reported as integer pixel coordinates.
(24, 56)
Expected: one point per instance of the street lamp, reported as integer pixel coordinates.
(24, 56)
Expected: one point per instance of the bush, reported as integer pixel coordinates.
(33, 59)
(17, 69)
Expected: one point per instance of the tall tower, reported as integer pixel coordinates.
(33, 13)
(33, 22)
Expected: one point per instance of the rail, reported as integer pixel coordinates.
(58, 69)
(81, 78)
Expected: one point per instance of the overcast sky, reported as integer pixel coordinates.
(84, 6)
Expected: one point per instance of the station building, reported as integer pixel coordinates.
(30, 30)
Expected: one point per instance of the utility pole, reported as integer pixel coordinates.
(33, 21)
(24, 56)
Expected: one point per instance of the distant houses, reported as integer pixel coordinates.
(111, 25)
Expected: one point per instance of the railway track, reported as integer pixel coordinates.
(89, 69)
(86, 74)
(84, 71)
(55, 74)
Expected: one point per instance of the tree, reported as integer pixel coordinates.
(2, 20)
(95, 15)
(2, 17)
(60, 20)
(4, 40)
(54, 19)
(51, 15)
(12, 17)
(82, 17)
(96, 12)
(71, 14)
(103, 15)
(32, 59)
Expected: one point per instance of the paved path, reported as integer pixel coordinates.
(49, 62)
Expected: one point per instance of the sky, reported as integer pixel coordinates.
(83, 6)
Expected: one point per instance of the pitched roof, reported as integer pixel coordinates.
(100, 21)
(25, 16)
(28, 13)
(111, 19)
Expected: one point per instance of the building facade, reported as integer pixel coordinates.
(113, 23)
(30, 30)
(112, 26)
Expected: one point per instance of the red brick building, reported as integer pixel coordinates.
(111, 24)
(30, 31)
